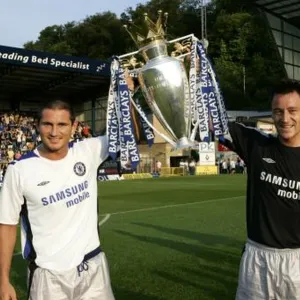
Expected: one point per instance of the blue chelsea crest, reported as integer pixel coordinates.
(79, 168)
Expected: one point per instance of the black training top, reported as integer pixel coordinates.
(273, 187)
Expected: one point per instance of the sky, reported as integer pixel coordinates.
(21, 21)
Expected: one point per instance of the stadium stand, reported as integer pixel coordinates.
(29, 78)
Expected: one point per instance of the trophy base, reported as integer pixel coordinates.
(184, 143)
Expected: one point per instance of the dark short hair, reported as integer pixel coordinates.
(58, 104)
(286, 86)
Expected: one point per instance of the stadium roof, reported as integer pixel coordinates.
(285, 9)
(27, 75)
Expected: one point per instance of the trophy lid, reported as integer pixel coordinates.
(149, 32)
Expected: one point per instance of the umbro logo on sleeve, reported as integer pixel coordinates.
(269, 160)
(43, 183)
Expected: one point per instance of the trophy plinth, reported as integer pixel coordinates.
(185, 143)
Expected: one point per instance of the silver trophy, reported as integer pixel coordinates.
(187, 108)
(162, 81)
(162, 78)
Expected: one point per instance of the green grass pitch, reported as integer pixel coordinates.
(169, 238)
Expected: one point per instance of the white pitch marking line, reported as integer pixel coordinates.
(175, 205)
(104, 220)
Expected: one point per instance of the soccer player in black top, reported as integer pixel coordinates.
(270, 265)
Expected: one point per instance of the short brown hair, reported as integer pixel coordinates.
(286, 86)
(58, 104)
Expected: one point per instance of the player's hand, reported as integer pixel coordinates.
(129, 80)
(7, 292)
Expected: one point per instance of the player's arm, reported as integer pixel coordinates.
(240, 139)
(98, 149)
(11, 200)
(8, 235)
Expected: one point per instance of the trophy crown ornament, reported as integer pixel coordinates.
(150, 31)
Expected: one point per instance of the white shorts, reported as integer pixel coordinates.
(89, 281)
(269, 273)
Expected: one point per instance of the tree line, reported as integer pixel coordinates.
(241, 45)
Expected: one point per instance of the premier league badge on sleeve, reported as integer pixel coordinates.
(79, 169)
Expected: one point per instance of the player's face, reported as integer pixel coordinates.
(286, 116)
(56, 129)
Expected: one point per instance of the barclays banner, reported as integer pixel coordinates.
(53, 61)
